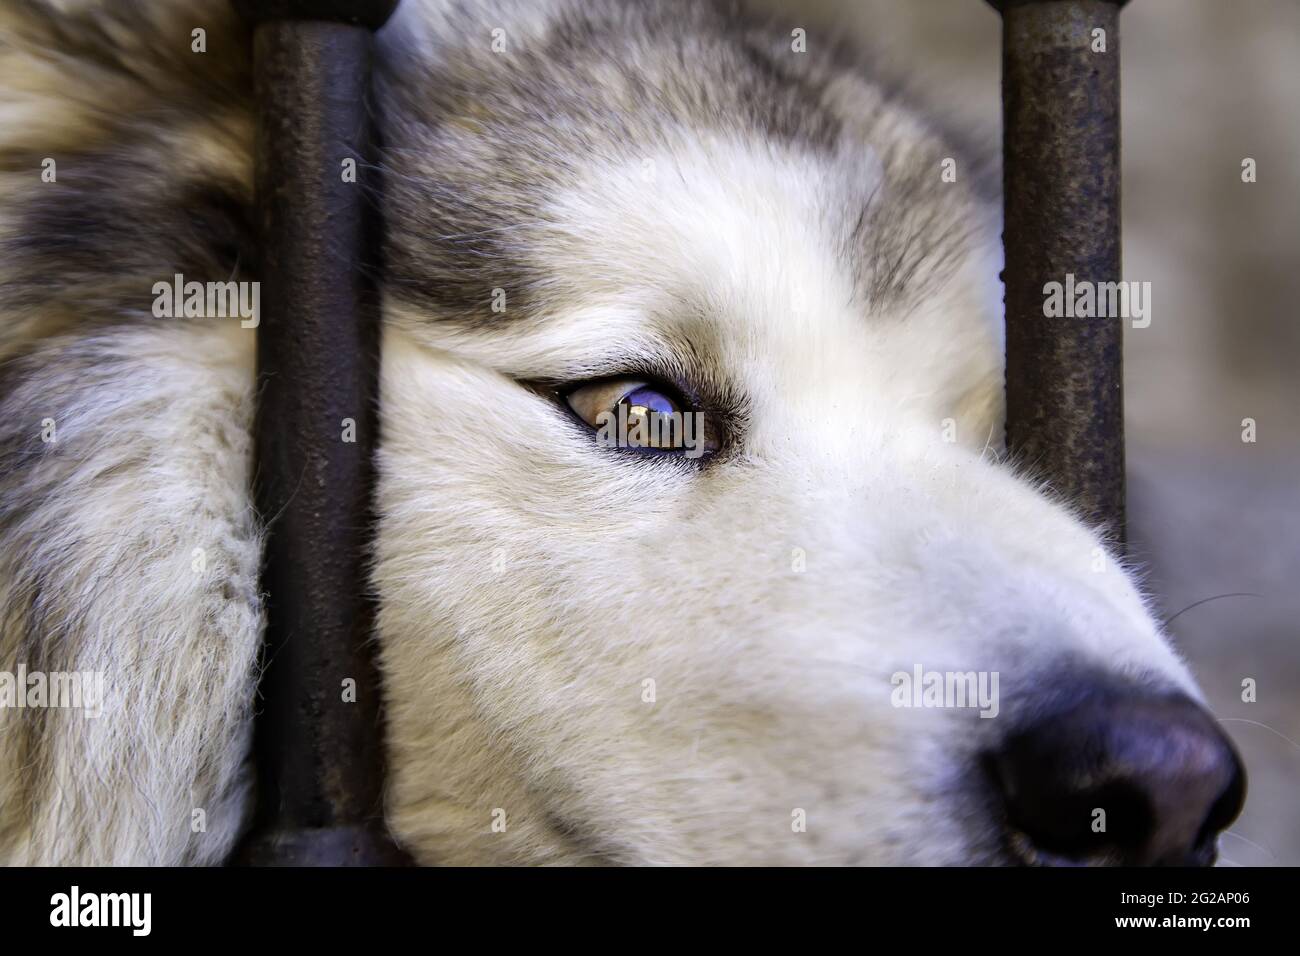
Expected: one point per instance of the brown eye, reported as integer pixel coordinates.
(633, 413)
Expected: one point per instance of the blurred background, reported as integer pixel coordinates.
(1205, 84)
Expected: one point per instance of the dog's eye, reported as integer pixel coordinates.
(590, 401)
(634, 413)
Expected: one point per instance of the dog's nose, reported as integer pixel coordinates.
(1123, 778)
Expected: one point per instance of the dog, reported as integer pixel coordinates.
(839, 626)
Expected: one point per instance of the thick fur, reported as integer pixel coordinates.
(657, 187)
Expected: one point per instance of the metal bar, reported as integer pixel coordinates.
(318, 756)
(1061, 191)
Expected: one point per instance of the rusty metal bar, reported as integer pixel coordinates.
(1061, 192)
(318, 754)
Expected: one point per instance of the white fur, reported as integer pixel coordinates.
(521, 689)
(133, 485)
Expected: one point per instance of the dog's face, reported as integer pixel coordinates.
(598, 653)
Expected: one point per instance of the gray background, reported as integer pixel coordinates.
(1205, 84)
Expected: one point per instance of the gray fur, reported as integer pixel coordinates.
(476, 141)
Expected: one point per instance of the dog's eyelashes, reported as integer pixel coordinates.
(640, 414)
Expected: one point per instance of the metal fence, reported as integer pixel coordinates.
(319, 765)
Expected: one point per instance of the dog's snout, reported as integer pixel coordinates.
(1130, 778)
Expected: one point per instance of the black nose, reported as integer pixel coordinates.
(1121, 778)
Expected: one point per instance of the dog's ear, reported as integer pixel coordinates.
(128, 547)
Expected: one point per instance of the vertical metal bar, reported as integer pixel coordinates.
(1061, 182)
(318, 755)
